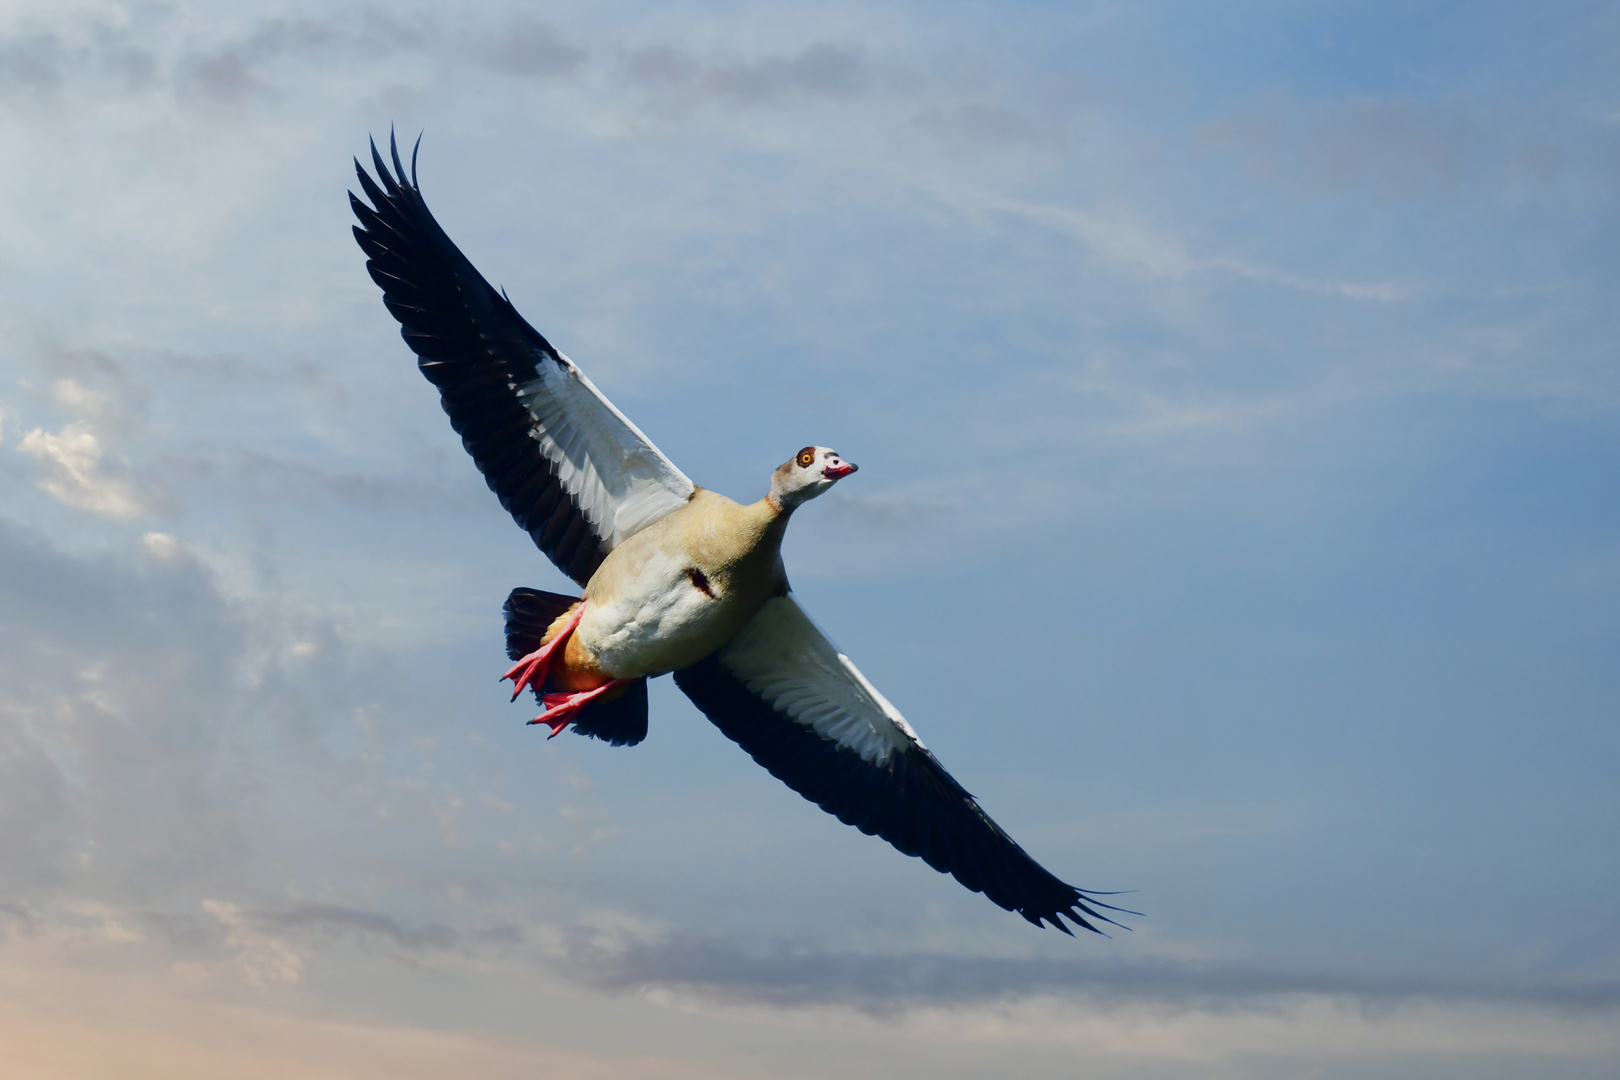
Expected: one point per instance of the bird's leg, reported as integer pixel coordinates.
(531, 670)
(561, 708)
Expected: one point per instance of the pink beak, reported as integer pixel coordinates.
(838, 472)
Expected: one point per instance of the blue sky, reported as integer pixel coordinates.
(1235, 394)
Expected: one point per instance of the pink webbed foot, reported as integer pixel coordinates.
(531, 670)
(562, 708)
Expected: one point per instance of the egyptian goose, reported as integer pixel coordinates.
(675, 578)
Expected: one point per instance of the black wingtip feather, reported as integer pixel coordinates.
(470, 343)
(393, 152)
(922, 812)
(383, 176)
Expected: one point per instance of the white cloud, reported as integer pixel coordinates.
(80, 400)
(161, 545)
(71, 460)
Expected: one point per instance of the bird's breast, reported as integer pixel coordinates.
(671, 595)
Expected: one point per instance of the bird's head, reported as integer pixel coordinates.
(811, 471)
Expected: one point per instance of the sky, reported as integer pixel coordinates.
(1236, 397)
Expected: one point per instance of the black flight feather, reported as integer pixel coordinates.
(909, 800)
(474, 346)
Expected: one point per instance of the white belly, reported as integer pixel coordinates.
(652, 619)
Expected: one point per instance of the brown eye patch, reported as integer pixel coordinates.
(807, 457)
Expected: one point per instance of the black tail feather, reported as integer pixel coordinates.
(620, 722)
(529, 612)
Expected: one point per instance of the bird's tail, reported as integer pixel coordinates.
(529, 614)
(620, 719)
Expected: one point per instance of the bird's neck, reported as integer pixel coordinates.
(729, 534)
(770, 517)
(742, 546)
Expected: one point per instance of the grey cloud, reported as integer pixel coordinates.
(244, 67)
(159, 748)
(230, 73)
(224, 76)
(340, 921)
(110, 720)
(31, 64)
(153, 738)
(14, 917)
(37, 63)
(239, 69)
(383, 32)
(306, 921)
(529, 48)
(42, 64)
(820, 70)
(791, 977)
(720, 969)
(131, 67)
(117, 399)
(187, 933)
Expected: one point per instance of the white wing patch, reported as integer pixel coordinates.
(621, 481)
(784, 658)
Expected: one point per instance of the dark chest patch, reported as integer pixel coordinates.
(700, 581)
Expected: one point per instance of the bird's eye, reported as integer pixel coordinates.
(807, 457)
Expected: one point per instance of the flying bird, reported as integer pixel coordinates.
(675, 578)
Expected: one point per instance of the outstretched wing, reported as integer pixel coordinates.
(781, 691)
(568, 466)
